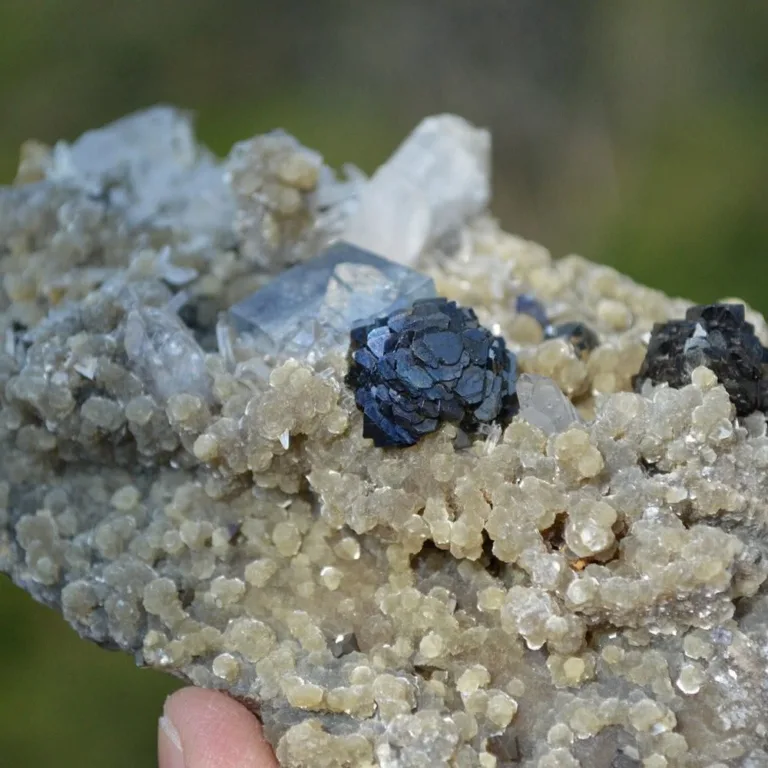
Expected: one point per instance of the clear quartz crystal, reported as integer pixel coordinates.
(165, 353)
(313, 306)
(437, 179)
(543, 404)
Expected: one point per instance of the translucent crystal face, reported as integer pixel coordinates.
(543, 404)
(437, 179)
(313, 306)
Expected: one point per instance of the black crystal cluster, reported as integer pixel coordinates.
(581, 337)
(430, 363)
(718, 337)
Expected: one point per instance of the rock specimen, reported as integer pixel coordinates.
(429, 363)
(583, 586)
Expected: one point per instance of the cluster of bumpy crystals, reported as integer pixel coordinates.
(430, 363)
(289, 204)
(716, 336)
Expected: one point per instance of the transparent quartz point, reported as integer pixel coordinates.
(543, 404)
(436, 179)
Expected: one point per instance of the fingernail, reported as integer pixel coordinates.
(171, 754)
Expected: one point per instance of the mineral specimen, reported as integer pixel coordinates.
(587, 585)
(718, 337)
(314, 305)
(289, 204)
(150, 165)
(429, 363)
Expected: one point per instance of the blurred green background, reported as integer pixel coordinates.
(631, 132)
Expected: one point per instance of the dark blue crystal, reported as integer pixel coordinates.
(529, 305)
(432, 362)
(581, 337)
(716, 336)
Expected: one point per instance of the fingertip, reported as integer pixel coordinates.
(214, 731)
(169, 750)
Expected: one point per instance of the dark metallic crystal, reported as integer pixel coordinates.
(430, 363)
(581, 336)
(526, 304)
(718, 337)
(504, 747)
(344, 644)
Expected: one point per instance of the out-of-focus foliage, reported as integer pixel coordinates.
(633, 133)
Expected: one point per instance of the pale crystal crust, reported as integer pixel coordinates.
(591, 593)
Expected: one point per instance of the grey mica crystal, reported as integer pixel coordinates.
(504, 747)
(313, 306)
(342, 645)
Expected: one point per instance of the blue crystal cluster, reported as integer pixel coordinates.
(718, 337)
(429, 363)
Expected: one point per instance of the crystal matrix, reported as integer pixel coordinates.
(582, 587)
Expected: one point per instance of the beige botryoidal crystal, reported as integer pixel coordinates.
(583, 586)
(590, 528)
